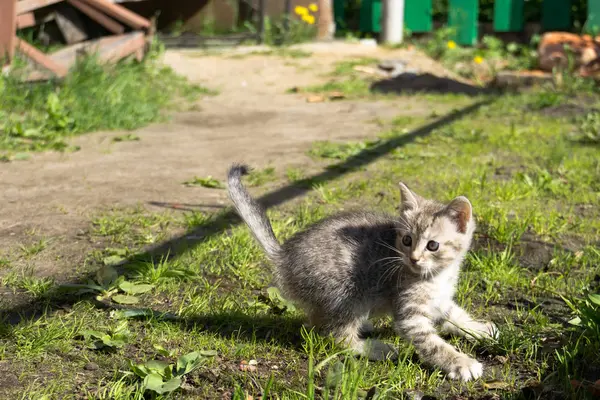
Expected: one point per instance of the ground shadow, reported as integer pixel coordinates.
(427, 83)
(173, 248)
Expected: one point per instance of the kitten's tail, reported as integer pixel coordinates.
(251, 212)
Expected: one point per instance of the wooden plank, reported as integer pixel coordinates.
(40, 58)
(108, 48)
(121, 13)
(24, 6)
(70, 25)
(8, 26)
(109, 24)
(25, 20)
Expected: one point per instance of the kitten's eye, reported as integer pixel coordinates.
(407, 240)
(432, 245)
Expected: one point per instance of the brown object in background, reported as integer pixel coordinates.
(8, 23)
(556, 49)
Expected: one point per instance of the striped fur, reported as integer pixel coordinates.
(352, 266)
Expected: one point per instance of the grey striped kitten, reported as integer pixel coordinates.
(352, 266)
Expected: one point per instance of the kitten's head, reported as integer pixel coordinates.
(433, 236)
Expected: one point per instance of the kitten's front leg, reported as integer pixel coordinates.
(459, 322)
(415, 324)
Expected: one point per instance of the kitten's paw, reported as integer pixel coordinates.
(376, 350)
(466, 368)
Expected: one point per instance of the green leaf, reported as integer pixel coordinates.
(125, 299)
(132, 288)
(139, 369)
(162, 351)
(161, 368)
(125, 314)
(595, 298)
(95, 334)
(112, 260)
(188, 362)
(106, 276)
(153, 382)
(171, 385)
(575, 321)
(208, 353)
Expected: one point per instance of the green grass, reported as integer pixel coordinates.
(127, 95)
(530, 178)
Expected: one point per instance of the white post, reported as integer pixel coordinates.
(392, 28)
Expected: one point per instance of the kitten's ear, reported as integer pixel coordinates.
(460, 211)
(410, 200)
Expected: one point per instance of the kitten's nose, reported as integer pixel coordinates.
(414, 260)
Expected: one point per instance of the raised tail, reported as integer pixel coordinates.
(251, 212)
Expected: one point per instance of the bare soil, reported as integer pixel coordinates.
(253, 119)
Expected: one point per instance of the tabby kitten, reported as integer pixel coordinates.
(351, 266)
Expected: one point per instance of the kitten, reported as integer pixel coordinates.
(351, 266)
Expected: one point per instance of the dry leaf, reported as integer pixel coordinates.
(368, 70)
(336, 96)
(315, 99)
(496, 385)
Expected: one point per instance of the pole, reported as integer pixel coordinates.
(326, 23)
(393, 21)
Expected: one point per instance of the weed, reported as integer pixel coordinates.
(161, 377)
(208, 182)
(92, 97)
(34, 248)
(111, 338)
(129, 137)
(589, 127)
(259, 177)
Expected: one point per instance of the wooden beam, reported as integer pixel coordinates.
(40, 58)
(121, 13)
(109, 24)
(24, 6)
(8, 27)
(25, 20)
(107, 48)
(70, 24)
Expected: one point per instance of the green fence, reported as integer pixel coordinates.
(463, 16)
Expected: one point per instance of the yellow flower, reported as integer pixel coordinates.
(451, 44)
(302, 11)
(313, 7)
(309, 19)
(478, 59)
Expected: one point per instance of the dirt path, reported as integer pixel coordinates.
(251, 120)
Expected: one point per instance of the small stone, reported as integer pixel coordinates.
(501, 359)
(247, 367)
(91, 366)
(252, 362)
(274, 367)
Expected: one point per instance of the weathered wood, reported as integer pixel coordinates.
(106, 22)
(70, 25)
(8, 23)
(107, 49)
(40, 58)
(25, 20)
(121, 13)
(24, 6)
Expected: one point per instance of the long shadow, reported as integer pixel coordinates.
(223, 221)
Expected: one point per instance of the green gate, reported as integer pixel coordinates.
(463, 16)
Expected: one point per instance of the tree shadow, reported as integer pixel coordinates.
(425, 83)
(226, 219)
